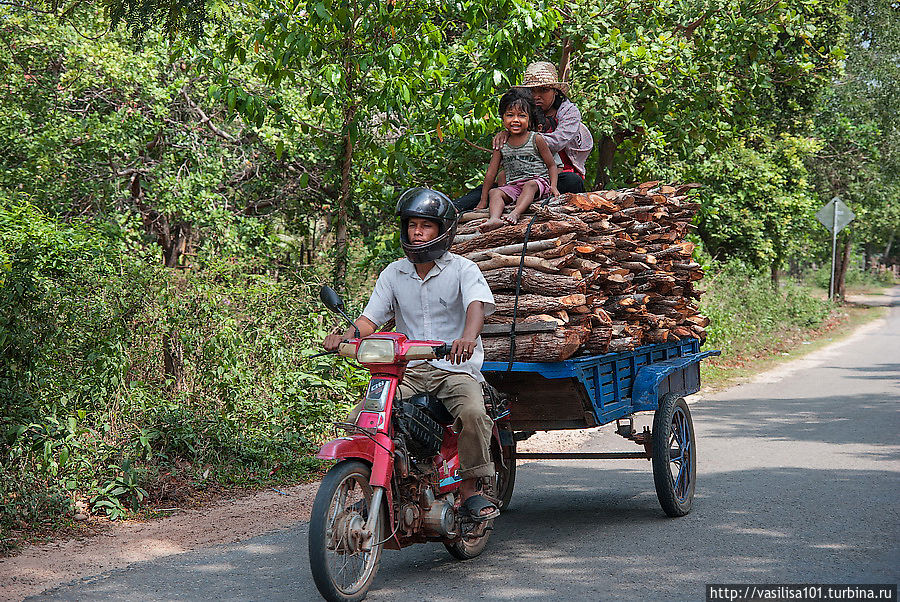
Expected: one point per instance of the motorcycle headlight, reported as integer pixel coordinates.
(375, 351)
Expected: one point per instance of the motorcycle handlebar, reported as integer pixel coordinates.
(440, 351)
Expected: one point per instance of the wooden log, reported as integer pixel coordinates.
(698, 320)
(592, 201)
(601, 316)
(690, 265)
(599, 339)
(562, 315)
(530, 319)
(659, 335)
(464, 237)
(530, 304)
(682, 331)
(581, 264)
(493, 330)
(574, 273)
(515, 233)
(497, 261)
(625, 329)
(684, 248)
(622, 344)
(630, 300)
(469, 216)
(536, 347)
(534, 281)
(635, 266)
(559, 251)
(532, 247)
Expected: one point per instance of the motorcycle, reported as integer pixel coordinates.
(396, 480)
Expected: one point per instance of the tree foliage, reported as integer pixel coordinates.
(674, 81)
(857, 120)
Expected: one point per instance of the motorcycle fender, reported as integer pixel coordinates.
(344, 448)
(360, 447)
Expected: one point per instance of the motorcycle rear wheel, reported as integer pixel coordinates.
(342, 570)
(466, 548)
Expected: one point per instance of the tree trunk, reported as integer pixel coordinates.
(172, 248)
(340, 225)
(564, 59)
(887, 249)
(173, 361)
(607, 151)
(340, 263)
(840, 288)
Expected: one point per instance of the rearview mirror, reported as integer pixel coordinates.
(331, 299)
(334, 302)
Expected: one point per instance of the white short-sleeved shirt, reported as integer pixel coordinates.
(433, 308)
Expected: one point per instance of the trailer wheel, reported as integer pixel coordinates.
(674, 455)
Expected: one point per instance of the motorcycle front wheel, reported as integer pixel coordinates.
(342, 566)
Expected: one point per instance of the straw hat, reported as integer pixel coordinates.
(543, 74)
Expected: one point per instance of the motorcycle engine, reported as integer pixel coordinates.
(440, 518)
(423, 433)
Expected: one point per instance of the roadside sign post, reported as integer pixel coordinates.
(835, 216)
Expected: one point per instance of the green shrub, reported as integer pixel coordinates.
(89, 411)
(855, 277)
(746, 312)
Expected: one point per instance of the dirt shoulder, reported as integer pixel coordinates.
(117, 545)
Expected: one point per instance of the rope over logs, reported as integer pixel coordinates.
(604, 271)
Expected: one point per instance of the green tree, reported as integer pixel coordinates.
(672, 80)
(857, 120)
(362, 67)
(758, 203)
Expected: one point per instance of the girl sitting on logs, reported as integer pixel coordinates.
(529, 169)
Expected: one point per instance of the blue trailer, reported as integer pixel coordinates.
(588, 391)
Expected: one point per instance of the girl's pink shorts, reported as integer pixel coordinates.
(514, 189)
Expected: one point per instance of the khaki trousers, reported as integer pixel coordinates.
(464, 399)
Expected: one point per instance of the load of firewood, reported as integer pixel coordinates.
(603, 272)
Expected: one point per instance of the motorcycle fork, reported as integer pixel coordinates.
(383, 452)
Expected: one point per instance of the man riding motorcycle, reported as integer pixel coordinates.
(434, 294)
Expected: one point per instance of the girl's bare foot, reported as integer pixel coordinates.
(491, 224)
(512, 218)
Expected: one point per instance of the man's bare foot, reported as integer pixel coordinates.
(492, 224)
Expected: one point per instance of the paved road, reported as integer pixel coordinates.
(798, 482)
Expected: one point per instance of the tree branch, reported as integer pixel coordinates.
(204, 119)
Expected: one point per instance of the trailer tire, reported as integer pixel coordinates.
(674, 449)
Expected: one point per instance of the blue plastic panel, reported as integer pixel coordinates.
(619, 384)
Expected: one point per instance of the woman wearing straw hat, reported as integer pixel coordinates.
(568, 138)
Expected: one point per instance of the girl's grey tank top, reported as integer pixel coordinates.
(521, 162)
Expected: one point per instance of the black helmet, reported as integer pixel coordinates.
(433, 205)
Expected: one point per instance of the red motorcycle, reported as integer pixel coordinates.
(396, 479)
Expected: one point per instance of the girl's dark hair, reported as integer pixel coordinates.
(521, 99)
